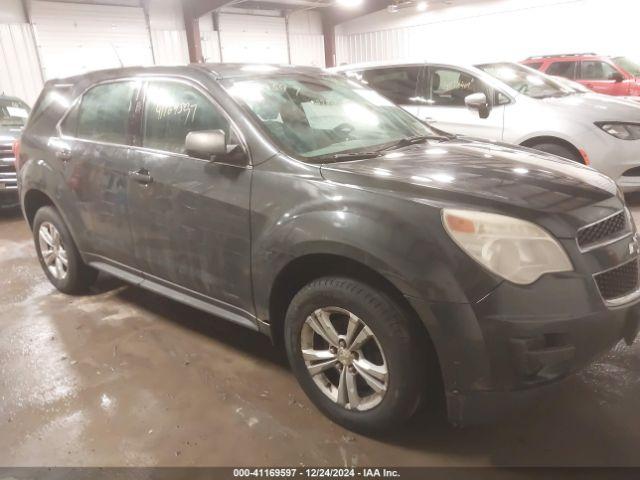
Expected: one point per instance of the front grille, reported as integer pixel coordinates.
(7, 165)
(8, 180)
(619, 281)
(608, 228)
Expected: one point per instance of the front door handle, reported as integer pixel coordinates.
(63, 155)
(141, 176)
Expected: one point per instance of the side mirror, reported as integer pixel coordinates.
(616, 77)
(478, 101)
(206, 143)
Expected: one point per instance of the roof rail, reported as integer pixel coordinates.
(562, 55)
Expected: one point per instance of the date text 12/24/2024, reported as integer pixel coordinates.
(315, 473)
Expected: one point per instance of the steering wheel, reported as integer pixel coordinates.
(343, 130)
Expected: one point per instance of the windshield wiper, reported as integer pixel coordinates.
(407, 141)
(336, 157)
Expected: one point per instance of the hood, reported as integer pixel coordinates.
(594, 107)
(9, 134)
(466, 173)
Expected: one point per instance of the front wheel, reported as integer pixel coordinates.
(356, 354)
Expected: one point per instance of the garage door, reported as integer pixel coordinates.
(77, 38)
(253, 38)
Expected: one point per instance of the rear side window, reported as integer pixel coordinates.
(103, 114)
(535, 66)
(172, 110)
(563, 69)
(596, 70)
(398, 84)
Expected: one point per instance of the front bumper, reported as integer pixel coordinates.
(504, 348)
(8, 179)
(494, 359)
(538, 363)
(619, 159)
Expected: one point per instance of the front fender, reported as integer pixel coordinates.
(327, 233)
(402, 240)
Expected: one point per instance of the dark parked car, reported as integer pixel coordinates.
(13, 116)
(387, 257)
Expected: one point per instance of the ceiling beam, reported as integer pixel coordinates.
(337, 15)
(197, 8)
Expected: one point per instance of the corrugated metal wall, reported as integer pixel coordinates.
(19, 66)
(393, 44)
(210, 46)
(491, 30)
(307, 49)
(170, 47)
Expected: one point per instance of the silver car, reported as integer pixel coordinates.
(511, 103)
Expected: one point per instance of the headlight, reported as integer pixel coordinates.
(515, 249)
(623, 131)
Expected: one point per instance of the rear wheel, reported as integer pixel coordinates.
(356, 354)
(560, 151)
(58, 254)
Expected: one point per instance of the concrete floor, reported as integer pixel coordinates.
(124, 377)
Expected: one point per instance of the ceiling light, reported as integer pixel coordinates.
(421, 6)
(349, 3)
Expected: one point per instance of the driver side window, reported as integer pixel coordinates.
(449, 87)
(172, 110)
(596, 70)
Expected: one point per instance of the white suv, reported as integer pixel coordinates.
(511, 103)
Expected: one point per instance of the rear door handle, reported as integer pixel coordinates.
(63, 155)
(141, 176)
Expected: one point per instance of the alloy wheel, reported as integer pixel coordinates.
(344, 358)
(53, 251)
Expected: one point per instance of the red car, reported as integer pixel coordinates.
(609, 75)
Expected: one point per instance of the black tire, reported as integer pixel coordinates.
(79, 276)
(560, 151)
(401, 340)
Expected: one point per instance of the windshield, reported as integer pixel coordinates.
(317, 117)
(524, 80)
(628, 65)
(13, 113)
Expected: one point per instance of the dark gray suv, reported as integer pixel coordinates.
(388, 258)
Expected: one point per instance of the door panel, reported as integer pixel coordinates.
(446, 110)
(190, 217)
(596, 75)
(97, 159)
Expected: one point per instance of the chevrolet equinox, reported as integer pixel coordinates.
(390, 259)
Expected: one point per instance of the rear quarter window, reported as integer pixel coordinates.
(50, 107)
